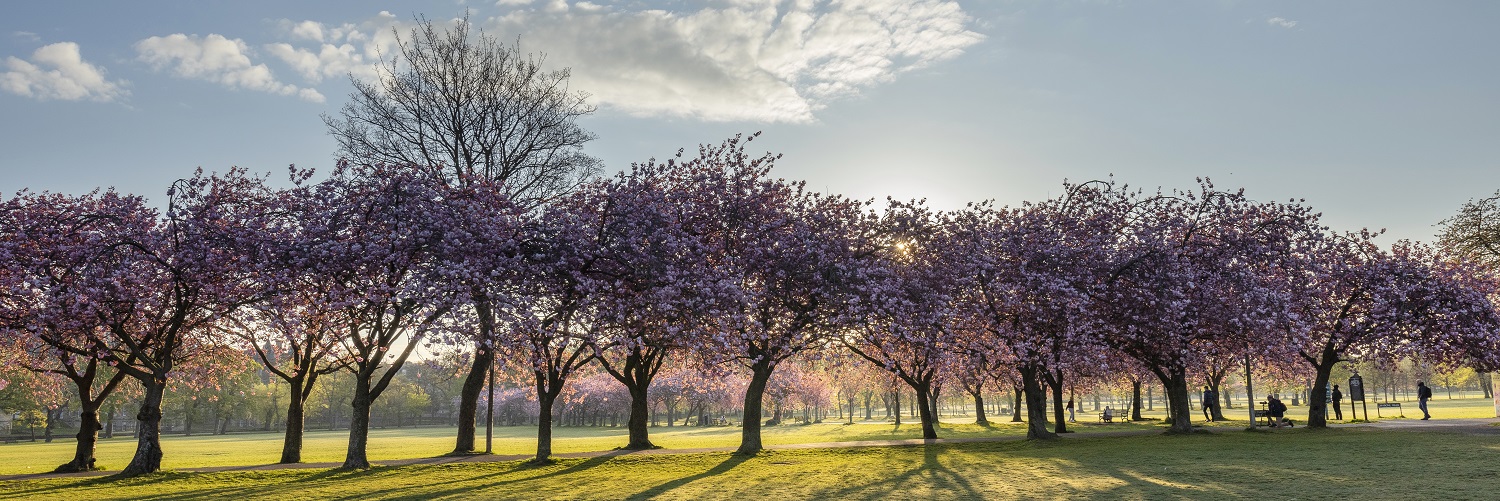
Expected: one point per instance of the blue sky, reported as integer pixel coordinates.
(1380, 114)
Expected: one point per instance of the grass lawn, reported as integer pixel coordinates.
(1350, 463)
(329, 446)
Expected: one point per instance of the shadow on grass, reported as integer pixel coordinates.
(932, 472)
(728, 464)
(467, 489)
(286, 487)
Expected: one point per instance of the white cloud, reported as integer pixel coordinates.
(753, 60)
(1281, 22)
(309, 30)
(58, 71)
(345, 49)
(26, 35)
(329, 61)
(215, 58)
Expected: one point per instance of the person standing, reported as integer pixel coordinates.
(1338, 396)
(1207, 400)
(1423, 394)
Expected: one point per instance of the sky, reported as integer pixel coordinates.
(1379, 114)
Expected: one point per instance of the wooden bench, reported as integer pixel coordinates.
(1389, 405)
(1107, 418)
(10, 439)
(1263, 413)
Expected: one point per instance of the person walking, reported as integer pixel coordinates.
(1071, 418)
(1338, 396)
(1207, 400)
(1423, 394)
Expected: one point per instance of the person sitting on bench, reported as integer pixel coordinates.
(1109, 414)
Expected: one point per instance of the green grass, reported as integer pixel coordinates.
(1286, 464)
(329, 446)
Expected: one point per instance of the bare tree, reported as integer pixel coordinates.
(456, 97)
(485, 111)
(1475, 231)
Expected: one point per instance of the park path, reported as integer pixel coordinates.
(1486, 425)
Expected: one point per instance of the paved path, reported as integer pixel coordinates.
(1479, 425)
(1487, 425)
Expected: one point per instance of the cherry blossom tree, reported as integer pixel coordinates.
(1356, 300)
(1028, 275)
(907, 323)
(294, 332)
(165, 282)
(376, 234)
(490, 232)
(1190, 275)
(46, 319)
(548, 311)
(649, 277)
(790, 256)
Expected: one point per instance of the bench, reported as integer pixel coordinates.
(1389, 405)
(1107, 418)
(1263, 413)
(9, 439)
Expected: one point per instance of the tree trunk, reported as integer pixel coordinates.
(979, 418)
(1179, 410)
(1216, 383)
(1036, 403)
(925, 409)
(869, 411)
(109, 422)
(359, 425)
(53, 416)
(1135, 400)
(1487, 383)
(291, 444)
(192, 414)
(1317, 406)
(88, 436)
(468, 400)
(148, 430)
(474, 382)
(639, 413)
(760, 374)
(896, 401)
(1059, 410)
(544, 402)
(933, 398)
(1015, 406)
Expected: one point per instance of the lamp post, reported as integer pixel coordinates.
(489, 413)
(1249, 389)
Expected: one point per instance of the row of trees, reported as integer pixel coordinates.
(709, 256)
(470, 222)
(426, 394)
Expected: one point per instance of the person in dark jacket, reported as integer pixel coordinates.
(1423, 395)
(1338, 396)
(1278, 413)
(1207, 401)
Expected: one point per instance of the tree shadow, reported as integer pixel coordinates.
(728, 464)
(939, 476)
(421, 491)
